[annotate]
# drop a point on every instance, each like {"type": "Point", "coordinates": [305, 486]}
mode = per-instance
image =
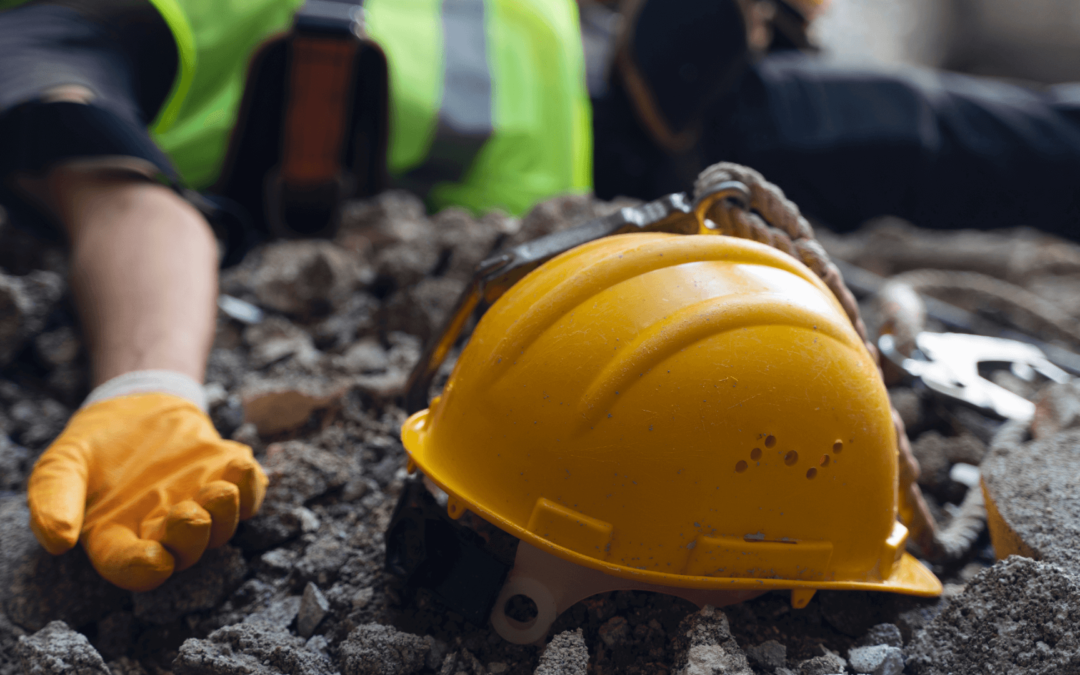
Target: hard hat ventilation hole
{"type": "Point", "coordinates": [741, 466]}
{"type": "Point", "coordinates": [811, 474]}
{"type": "Point", "coordinates": [755, 454]}
{"type": "Point", "coordinates": [770, 441]}
{"type": "Point", "coordinates": [825, 459]}
{"type": "Point", "coordinates": [790, 458]}
{"type": "Point", "coordinates": [521, 609]}
{"type": "Point", "coordinates": [838, 447]}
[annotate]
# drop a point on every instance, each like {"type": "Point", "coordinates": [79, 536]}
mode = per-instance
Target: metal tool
{"type": "Point", "coordinates": [948, 363]}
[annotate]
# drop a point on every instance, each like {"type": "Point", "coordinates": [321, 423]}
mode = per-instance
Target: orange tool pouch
{"type": "Point", "coordinates": [313, 124]}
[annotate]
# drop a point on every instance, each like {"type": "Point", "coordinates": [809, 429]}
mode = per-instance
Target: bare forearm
{"type": "Point", "coordinates": [143, 273]}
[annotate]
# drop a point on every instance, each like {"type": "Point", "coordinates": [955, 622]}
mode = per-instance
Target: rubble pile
{"type": "Point", "coordinates": [314, 343]}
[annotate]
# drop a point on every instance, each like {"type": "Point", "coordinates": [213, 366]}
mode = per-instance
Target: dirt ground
{"type": "Point", "coordinates": [314, 387]}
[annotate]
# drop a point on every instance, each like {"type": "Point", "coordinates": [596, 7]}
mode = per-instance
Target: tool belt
{"type": "Point", "coordinates": [313, 124]}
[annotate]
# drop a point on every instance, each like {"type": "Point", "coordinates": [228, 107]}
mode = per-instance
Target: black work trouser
{"type": "Point", "coordinates": [847, 144]}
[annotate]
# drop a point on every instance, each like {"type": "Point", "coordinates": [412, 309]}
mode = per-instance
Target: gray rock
{"type": "Point", "coordinates": [402, 265]}
{"type": "Point", "coordinates": [279, 613]}
{"type": "Point", "coordinates": [36, 588]}
{"type": "Point", "coordinates": [1035, 487]}
{"type": "Point", "coordinates": [58, 650]}
{"type": "Point", "coordinates": [250, 649]}
{"type": "Point", "coordinates": [769, 654]}
{"type": "Point", "coordinates": [277, 339]}
{"type": "Point", "coordinates": [364, 357]}
{"type": "Point", "coordinates": [15, 464]}
{"type": "Point", "coordinates": [1018, 616]}
{"type": "Point", "coordinates": [876, 660]}
{"type": "Point", "coordinates": [829, 663]}
{"type": "Point", "coordinates": [323, 560]}
{"type": "Point", "coordinates": [202, 586]}
{"type": "Point", "coordinates": [420, 308]}
{"type": "Point", "coordinates": [300, 472]}
{"type": "Point", "coordinates": [374, 649]}
{"type": "Point", "coordinates": [9, 637]}
{"type": "Point", "coordinates": [275, 405]}
{"type": "Point", "coordinates": [313, 608]}
{"type": "Point", "coordinates": [882, 634]}
{"type": "Point", "coordinates": [306, 278]}
{"type": "Point", "coordinates": [25, 302]}
{"type": "Point", "coordinates": [615, 632]}
{"type": "Point", "coordinates": [566, 654]}
{"type": "Point", "coordinates": [704, 646]}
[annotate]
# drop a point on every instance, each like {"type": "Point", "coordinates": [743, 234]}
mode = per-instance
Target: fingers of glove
{"type": "Point", "coordinates": [221, 500]}
{"type": "Point", "coordinates": [184, 531]}
{"type": "Point", "coordinates": [126, 560]}
{"type": "Point", "coordinates": [56, 494]}
{"type": "Point", "coordinates": [247, 475]}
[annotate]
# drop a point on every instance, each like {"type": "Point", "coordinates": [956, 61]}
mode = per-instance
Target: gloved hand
{"type": "Point", "coordinates": [146, 483]}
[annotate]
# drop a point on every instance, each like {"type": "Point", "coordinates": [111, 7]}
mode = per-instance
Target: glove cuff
{"type": "Point", "coordinates": [147, 382]}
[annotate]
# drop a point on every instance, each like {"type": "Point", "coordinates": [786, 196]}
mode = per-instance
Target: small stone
{"type": "Point", "coordinates": [363, 597]}
{"type": "Point", "coordinates": [566, 654]}
{"type": "Point", "coordinates": [877, 660]}
{"type": "Point", "coordinates": [374, 649]}
{"type": "Point", "coordinates": [313, 608]}
{"type": "Point", "coordinates": [497, 668]}
{"type": "Point", "coordinates": [882, 634]}
{"type": "Point", "coordinates": [277, 405]}
{"type": "Point", "coordinates": [280, 613]}
{"type": "Point", "coordinates": [704, 646]}
{"type": "Point", "coordinates": [768, 654]}
{"type": "Point", "coordinates": [306, 278]}
{"type": "Point", "coordinates": [250, 649]}
{"type": "Point", "coordinates": [364, 357]}
{"type": "Point", "coordinates": [615, 632]}
{"type": "Point", "coordinates": [58, 650]}
{"type": "Point", "coordinates": [829, 663]}
{"type": "Point", "coordinates": [202, 586]}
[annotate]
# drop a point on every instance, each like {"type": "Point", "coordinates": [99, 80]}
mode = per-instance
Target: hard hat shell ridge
{"type": "Point", "coordinates": [687, 411]}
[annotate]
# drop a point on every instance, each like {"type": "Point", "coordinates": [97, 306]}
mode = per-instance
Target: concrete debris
{"type": "Point", "coordinates": [1034, 489]}
{"type": "Point", "coordinates": [374, 649]}
{"type": "Point", "coordinates": [769, 654]}
{"type": "Point", "coordinates": [937, 454]}
{"type": "Point", "coordinates": [1019, 616]}
{"type": "Point", "coordinates": [616, 632]}
{"type": "Point", "coordinates": [313, 608]}
{"type": "Point", "coordinates": [394, 216]}
{"type": "Point", "coordinates": [566, 654]}
{"type": "Point", "coordinates": [59, 347]}
{"type": "Point", "coordinates": [280, 613]}
{"type": "Point", "coordinates": [829, 664]}
{"type": "Point", "coordinates": [202, 586]}
{"type": "Point", "coordinates": [277, 405]}
{"type": "Point", "coordinates": [300, 472]}
{"type": "Point", "coordinates": [277, 339]}
{"type": "Point", "coordinates": [363, 357]}
{"type": "Point", "coordinates": [307, 278]}
{"type": "Point", "coordinates": [877, 660]}
{"type": "Point", "coordinates": [25, 302]}
{"type": "Point", "coordinates": [421, 308]}
{"type": "Point", "coordinates": [15, 464]}
{"type": "Point", "coordinates": [58, 650]}
{"type": "Point", "coordinates": [36, 588]}
{"type": "Point", "coordinates": [1056, 409]}
{"type": "Point", "coordinates": [704, 646]}
{"type": "Point", "coordinates": [882, 634]}
{"type": "Point", "coordinates": [251, 649]}
{"type": "Point", "coordinates": [9, 637]}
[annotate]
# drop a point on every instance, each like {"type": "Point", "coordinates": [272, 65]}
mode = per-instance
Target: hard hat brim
{"type": "Point", "coordinates": [908, 577]}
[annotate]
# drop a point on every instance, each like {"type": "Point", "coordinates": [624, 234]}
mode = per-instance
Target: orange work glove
{"type": "Point", "coordinates": [146, 483]}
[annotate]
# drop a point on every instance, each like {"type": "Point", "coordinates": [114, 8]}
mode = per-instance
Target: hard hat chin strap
{"type": "Point", "coordinates": [554, 585]}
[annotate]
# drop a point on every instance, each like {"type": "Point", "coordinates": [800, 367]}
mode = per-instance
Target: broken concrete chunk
{"type": "Point", "coordinates": [566, 654]}
{"type": "Point", "coordinates": [58, 650]}
{"type": "Point", "coordinates": [374, 649]}
{"type": "Point", "coordinates": [307, 278]}
{"type": "Point", "coordinates": [280, 404]}
{"type": "Point", "coordinates": [877, 660]}
{"type": "Point", "coordinates": [202, 586]}
{"type": "Point", "coordinates": [36, 588]}
{"type": "Point", "coordinates": [422, 307]}
{"type": "Point", "coordinates": [829, 663]}
{"type": "Point", "coordinates": [1019, 616]}
{"type": "Point", "coordinates": [882, 634]}
{"type": "Point", "coordinates": [300, 472]}
{"type": "Point", "coordinates": [250, 649]}
{"type": "Point", "coordinates": [25, 302]}
{"type": "Point", "coordinates": [769, 654]}
{"type": "Point", "coordinates": [14, 463]}
{"type": "Point", "coordinates": [1034, 499]}
{"type": "Point", "coordinates": [365, 356]}
{"type": "Point", "coordinates": [279, 613]}
{"type": "Point", "coordinates": [313, 608]}
{"type": "Point", "coordinates": [704, 646]}
{"type": "Point", "coordinates": [277, 339]}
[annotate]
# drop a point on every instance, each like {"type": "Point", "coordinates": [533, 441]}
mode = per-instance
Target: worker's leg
{"type": "Point", "coordinates": [940, 149]}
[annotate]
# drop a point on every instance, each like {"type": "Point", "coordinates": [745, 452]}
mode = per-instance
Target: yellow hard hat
{"type": "Point", "coordinates": [691, 412]}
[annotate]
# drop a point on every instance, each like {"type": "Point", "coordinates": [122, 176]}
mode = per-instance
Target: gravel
{"type": "Point", "coordinates": [58, 650]}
